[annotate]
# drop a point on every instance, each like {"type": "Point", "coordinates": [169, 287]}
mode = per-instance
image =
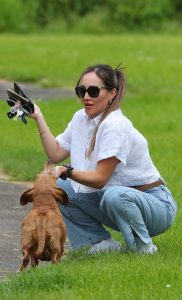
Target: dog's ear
{"type": "Point", "coordinates": [26, 197]}
{"type": "Point", "coordinates": [61, 196]}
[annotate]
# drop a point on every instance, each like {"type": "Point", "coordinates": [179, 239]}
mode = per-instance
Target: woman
{"type": "Point", "coordinates": [112, 180]}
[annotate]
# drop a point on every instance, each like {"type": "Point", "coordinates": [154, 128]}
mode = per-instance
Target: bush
{"type": "Point", "coordinates": [138, 14]}
{"type": "Point", "coordinates": [11, 16]}
{"type": "Point", "coordinates": [86, 16]}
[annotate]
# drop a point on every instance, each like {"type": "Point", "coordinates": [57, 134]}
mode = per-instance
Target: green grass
{"type": "Point", "coordinates": [153, 103]}
{"type": "Point", "coordinates": [153, 62]}
{"type": "Point", "coordinates": [103, 276]}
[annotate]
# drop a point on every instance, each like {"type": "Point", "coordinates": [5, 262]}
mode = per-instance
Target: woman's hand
{"type": "Point", "coordinates": [37, 112]}
{"type": "Point", "coordinates": [60, 170]}
{"type": "Point", "coordinates": [96, 178]}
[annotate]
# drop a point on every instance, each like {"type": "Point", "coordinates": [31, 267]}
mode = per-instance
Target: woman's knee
{"type": "Point", "coordinates": [113, 197]}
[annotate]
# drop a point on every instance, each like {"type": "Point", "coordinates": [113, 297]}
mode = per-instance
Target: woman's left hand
{"type": "Point", "coordinates": [60, 170]}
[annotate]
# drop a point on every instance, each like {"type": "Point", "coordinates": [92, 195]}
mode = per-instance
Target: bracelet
{"type": "Point", "coordinates": [68, 173]}
{"type": "Point", "coordinates": [41, 133]}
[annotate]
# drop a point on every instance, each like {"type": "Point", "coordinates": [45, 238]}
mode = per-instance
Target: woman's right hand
{"type": "Point", "coordinates": [37, 112]}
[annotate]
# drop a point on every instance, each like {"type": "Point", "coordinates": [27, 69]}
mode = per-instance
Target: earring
{"type": "Point", "coordinates": [110, 102]}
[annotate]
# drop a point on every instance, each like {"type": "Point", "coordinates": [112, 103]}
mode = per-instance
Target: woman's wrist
{"type": "Point", "coordinates": [43, 131]}
{"type": "Point", "coordinates": [64, 172]}
{"type": "Point", "coordinates": [42, 125]}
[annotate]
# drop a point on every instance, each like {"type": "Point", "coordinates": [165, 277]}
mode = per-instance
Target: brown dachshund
{"type": "Point", "coordinates": [43, 230]}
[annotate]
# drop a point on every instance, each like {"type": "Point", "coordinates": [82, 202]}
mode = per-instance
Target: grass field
{"type": "Point", "coordinates": [153, 102]}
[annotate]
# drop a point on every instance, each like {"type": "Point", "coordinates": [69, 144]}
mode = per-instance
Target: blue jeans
{"type": "Point", "coordinates": [130, 211]}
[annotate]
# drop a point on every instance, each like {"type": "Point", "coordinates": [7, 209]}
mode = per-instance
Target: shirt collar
{"type": "Point", "coordinates": [97, 118]}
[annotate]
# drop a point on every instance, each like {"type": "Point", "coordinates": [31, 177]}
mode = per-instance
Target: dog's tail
{"type": "Point", "coordinates": [41, 234]}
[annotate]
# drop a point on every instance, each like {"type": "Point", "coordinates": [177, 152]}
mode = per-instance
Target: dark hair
{"type": "Point", "coordinates": [112, 78]}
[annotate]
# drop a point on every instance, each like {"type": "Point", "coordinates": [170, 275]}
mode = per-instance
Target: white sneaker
{"type": "Point", "coordinates": [145, 248]}
{"type": "Point", "coordinates": [105, 246]}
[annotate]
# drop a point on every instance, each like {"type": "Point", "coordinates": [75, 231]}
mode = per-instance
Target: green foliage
{"type": "Point", "coordinates": [138, 14]}
{"type": "Point", "coordinates": [96, 16]}
{"type": "Point", "coordinates": [9, 11]}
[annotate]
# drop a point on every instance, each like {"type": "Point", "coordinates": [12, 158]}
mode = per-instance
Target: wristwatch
{"type": "Point", "coordinates": [68, 173]}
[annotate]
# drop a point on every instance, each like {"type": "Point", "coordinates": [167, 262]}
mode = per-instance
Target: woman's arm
{"type": "Point", "coordinates": [53, 150]}
{"type": "Point", "coordinates": [96, 179]}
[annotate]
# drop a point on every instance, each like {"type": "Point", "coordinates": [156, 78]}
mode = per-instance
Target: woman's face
{"type": "Point", "coordinates": [95, 106]}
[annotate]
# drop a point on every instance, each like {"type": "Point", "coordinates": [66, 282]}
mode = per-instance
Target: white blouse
{"type": "Point", "coordinates": [117, 137]}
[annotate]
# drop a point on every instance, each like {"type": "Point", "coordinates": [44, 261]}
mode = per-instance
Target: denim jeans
{"type": "Point", "coordinates": [130, 211]}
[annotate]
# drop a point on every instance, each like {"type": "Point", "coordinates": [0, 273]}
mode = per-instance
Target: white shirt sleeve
{"type": "Point", "coordinates": [64, 139]}
{"type": "Point", "coordinates": [113, 141]}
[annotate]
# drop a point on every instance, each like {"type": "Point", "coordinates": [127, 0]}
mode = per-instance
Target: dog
{"type": "Point", "coordinates": [43, 232]}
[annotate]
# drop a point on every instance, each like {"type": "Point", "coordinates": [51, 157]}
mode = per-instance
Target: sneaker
{"type": "Point", "coordinates": [145, 248]}
{"type": "Point", "coordinates": [105, 246]}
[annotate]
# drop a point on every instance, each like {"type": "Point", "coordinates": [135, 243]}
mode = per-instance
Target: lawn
{"type": "Point", "coordinates": [153, 102]}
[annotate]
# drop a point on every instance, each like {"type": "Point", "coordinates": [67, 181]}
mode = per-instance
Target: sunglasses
{"type": "Point", "coordinates": [93, 91]}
